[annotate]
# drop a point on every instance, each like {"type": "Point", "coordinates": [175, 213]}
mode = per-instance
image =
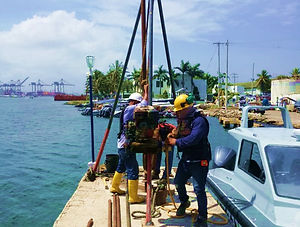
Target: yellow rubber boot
{"type": "Point", "coordinates": [132, 190]}
{"type": "Point", "coordinates": [115, 185]}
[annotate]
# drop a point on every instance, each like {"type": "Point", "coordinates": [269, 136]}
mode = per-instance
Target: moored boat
{"type": "Point", "coordinates": [259, 185]}
{"type": "Point", "coordinates": [64, 97]}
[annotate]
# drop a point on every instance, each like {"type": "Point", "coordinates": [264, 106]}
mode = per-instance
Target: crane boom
{"type": "Point", "coordinates": [24, 80]}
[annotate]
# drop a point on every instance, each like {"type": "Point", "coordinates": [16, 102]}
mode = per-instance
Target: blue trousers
{"type": "Point", "coordinates": [186, 170]}
{"type": "Point", "coordinates": [128, 163]}
{"type": "Point", "coordinates": [170, 162]}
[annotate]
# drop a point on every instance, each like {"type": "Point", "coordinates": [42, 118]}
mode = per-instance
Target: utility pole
{"type": "Point", "coordinates": [252, 79]}
{"type": "Point", "coordinates": [226, 82]}
{"type": "Point", "coordinates": [218, 43]}
{"type": "Point", "coordinates": [234, 75]}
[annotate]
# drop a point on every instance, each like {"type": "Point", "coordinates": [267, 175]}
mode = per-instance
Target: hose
{"type": "Point", "coordinates": [155, 213]}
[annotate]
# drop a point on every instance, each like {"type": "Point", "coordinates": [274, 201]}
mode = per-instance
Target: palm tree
{"type": "Point", "coordinates": [135, 75]}
{"type": "Point", "coordinates": [211, 81]}
{"type": "Point", "coordinates": [114, 75]}
{"type": "Point", "coordinates": [161, 75]}
{"type": "Point", "coordinates": [195, 72]}
{"type": "Point", "coordinates": [295, 73]}
{"type": "Point", "coordinates": [183, 68]}
{"type": "Point", "coordinates": [264, 81]}
{"type": "Point", "coordinates": [127, 86]}
{"type": "Point", "coordinates": [280, 77]}
{"type": "Point", "coordinates": [100, 84]}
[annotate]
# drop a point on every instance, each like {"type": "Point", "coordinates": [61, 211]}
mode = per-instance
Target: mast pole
{"type": "Point", "coordinates": [163, 28]}
{"type": "Point", "coordinates": [118, 92]}
{"type": "Point", "coordinates": [149, 158]}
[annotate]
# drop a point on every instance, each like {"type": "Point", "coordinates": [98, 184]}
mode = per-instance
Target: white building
{"type": "Point", "coordinates": [285, 88]}
{"type": "Point", "coordinates": [201, 85]}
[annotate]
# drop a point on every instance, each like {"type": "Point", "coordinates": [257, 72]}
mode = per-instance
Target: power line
{"type": "Point", "coordinates": [213, 55]}
{"type": "Point", "coordinates": [226, 84]}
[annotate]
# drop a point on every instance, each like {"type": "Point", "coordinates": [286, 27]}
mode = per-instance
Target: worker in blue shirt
{"type": "Point", "coordinates": [191, 140]}
{"type": "Point", "coordinates": [127, 159]}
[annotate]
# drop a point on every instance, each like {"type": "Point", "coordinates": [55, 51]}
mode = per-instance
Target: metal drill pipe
{"type": "Point", "coordinates": [114, 224]}
{"type": "Point", "coordinates": [118, 211]}
{"type": "Point", "coordinates": [148, 205]}
{"type": "Point", "coordinates": [109, 213]}
{"type": "Point", "coordinates": [144, 35]}
{"type": "Point", "coordinates": [150, 56]}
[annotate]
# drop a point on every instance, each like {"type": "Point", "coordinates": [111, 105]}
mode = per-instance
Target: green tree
{"type": "Point", "coordinates": [280, 77]}
{"type": "Point", "coordinates": [114, 75]}
{"type": "Point", "coordinates": [162, 75]}
{"type": "Point", "coordinates": [264, 81]}
{"type": "Point", "coordinates": [135, 76]}
{"type": "Point", "coordinates": [96, 77]}
{"type": "Point", "coordinates": [195, 72]}
{"type": "Point", "coordinates": [175, 76]}
{"type": "Point", "coordinates": [100, 84]}
{"type": "Point", "coordinates": [211, 81]}
{"type": "Point", "coordinates": [296, 73]}
{"type": "Point", "coordinates": [183, 68]}
{"type": "Point", "coordinates": [127, 86]}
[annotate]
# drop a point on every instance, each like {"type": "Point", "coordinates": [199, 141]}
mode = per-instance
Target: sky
{"type": "Point", "coordinates": [49, 39]}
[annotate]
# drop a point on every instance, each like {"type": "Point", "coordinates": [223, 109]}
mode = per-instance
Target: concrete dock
{"type": "Point", "coordinates": [90, 200]}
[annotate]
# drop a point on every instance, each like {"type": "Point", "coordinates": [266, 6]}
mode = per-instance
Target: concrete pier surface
{"type": "Point", "coordinates": [90, 200]}
{"type": "Point", "coordinates": [272, 117]}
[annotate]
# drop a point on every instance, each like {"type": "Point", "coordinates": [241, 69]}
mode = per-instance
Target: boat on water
{"type": "Point", "coordinates": [259, 184]}
{"type": "Point", "coordinates": [65, 97]}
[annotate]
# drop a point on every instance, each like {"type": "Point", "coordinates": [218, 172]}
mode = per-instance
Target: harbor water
{"type": "Point", "coordinates": [44, 152]}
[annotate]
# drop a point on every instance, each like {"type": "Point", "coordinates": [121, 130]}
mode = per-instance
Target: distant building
{"type": "Point", "coordinates": [235, 89]}
{"type": "Point", "coordinates": [161, 86]}
{"type": "Point", "coordinates": [199, 88]}
{"type": "Point", "coordinates": [252, 91]}
{"type": "Point", "coordinates": [285, 88]}
{"type": "Point", "coordinates": [199, 85]}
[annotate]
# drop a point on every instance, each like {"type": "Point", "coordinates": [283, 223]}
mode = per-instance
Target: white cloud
{"type": "Point", "coordinates": [185, 20]}
{"type": "Point", "coordinates": [54, 47]}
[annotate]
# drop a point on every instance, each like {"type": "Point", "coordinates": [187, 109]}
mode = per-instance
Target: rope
{"type": "Point", "coordinates": [194, 213]}
{"type": "Point", "coordinates": [155, 213]}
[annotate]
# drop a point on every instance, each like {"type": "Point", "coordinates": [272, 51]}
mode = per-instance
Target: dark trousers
{"type": "Point", "coordinates": [128, 163]}
{"type": "Point", "coordinates": [186, 170]}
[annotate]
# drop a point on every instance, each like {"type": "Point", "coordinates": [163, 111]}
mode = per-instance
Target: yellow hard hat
{"type": "Point", "coordinates": [182, 102]}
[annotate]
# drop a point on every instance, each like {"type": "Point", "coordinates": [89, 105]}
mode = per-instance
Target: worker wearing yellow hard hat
{"type": "Point", "coordinates": [183, 101]}
{"type": "Point", "coordinates": [191, 140]}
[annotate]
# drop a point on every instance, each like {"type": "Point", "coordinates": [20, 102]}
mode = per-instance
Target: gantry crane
{"type": "Point", "coordinates": [59, 87]}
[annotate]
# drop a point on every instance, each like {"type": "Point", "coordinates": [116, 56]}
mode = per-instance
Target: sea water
{"type": "Point", "coordinates": [44, 152]}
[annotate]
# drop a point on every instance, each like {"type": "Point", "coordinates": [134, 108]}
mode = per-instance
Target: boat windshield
{"type": "Point", "coordinates": [284, 162]}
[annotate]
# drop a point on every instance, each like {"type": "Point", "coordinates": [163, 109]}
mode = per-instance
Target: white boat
{"type": "Point", "coordinates": [259, 184]}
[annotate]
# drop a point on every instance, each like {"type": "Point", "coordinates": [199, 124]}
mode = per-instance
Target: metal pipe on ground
{"type": "Point", "coordinates": [114, 224]}
{"type": "Point", "coordinates": [109, 213]}
{"type": "Point", "coordinates": [118, 211]}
